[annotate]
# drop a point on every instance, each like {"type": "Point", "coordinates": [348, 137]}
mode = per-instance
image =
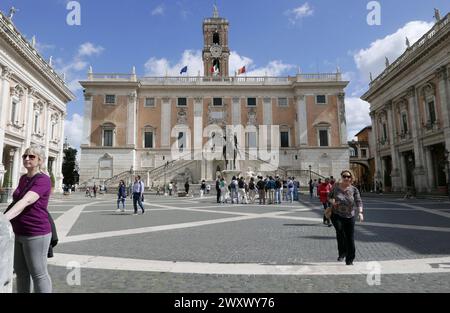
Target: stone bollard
{"type": "Point", "coordinates": [6, 255]}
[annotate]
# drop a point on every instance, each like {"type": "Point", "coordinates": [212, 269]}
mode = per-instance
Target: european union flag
{"type": "Point", "coordinates": [183, 70]}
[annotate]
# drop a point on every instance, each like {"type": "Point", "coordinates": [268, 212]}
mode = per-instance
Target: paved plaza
{"type": "Point", "coordinates": [196, 245]}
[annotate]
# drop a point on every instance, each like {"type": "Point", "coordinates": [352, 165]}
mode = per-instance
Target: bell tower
{"type": "Point", "coordinates": [216, 53]}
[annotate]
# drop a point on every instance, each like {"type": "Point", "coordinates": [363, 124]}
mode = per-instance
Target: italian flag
{"type": "Point", "coordinates": [215, 69]}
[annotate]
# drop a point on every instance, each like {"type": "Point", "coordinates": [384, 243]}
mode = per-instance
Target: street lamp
{"type": "Point", "coordinates": [165, 170]}
{"type": "Point", "coordinates": [310, 174]}
{"type": "Point", "coordinates": [447, 162]}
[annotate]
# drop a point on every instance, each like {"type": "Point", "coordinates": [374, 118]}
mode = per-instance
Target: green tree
{"type": "Point", "coordinates": [6, 180]}
{"type": "Point", "coordinates": [69, 166]}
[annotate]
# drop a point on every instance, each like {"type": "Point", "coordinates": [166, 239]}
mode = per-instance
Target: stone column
{"type": "Point", "coordinates": [132, 125]}
{"type": "Point", "coordinates": [342, 120]}
{"type": "Point", "coordinates": [47, 131]}
{"type": "Point", "coordinates": [377, 171]}
{"type": "Point", "coordinates": [6, 255]}
{"type": "Point", "coordinates": [444, 95]}
{"type": "Point", "coordinates": [198, 135]}
{"type": "Point", "coordinates": [166, 124]}
{"type": "Point", "coordinates": [4, 98]}
{"type": "Point", "coordinates": [15, 167]}
{"type": "Point", "coordinates": [430, 172]}
{"type": "Point", "coordinates": [403, 170]}
{"type": "Point", "coordinates": [87, 132]}
{"type": "Point", "coordinates": [419, 171]}
{"type": "Point", "coordinates": [302, 124]}
{"type": "Point", "coordinates": [29, 116]}
{"type": "Point", "coordinates": [395, 174]}
{"type": "Point", "coordinates": [59, 159]}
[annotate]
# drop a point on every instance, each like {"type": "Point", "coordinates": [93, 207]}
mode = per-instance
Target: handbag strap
{"type": "Point", "coordinates": [23, 192]}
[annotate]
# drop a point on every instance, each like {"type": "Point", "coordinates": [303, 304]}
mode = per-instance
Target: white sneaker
{"type": "Point", "coordinates": [123, 210]}
{"type": "Point", "coordinates": [118, 211]}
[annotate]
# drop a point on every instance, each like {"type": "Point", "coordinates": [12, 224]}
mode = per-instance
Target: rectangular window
{"type": "Point", "coordinates": [321, 99]}
{"type": "Point", "coordinates": [13, 111]}
{"type": "Point", "coordinates": [108, 138]}
{"type": "Point", "coordinates": [148, 138]}
{"type": "Point", "coordinates": [432, 116]}
{"type": "Point", "coordinates": [53, 131]}
{"type": "Point", "coordinates": [363, 153]}
{"type": "Point", "coordinates": [251, 102]}
{"type": "Point", "coordinates": [282, 102]}
{"type": "Point", "coordinates": [323, 137]}
{"type": "Point", "coordinates": [405, 123]}
{"type": "Point", "coordinates": [384, 131]}
{"type": "Point", "coordinates": [110, 99]}
{"type": "Point", "coordinates": [149, 102]}
{"type": "Point", "coordinates": [284, 139]}
{"type": "Point", "coordinates": [182, 102]}
{"type": "Point", "coordinates": [217, 102]}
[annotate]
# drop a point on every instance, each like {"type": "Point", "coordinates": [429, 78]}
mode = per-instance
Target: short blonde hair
{"type": "Point", "coordinates": [39, 152]}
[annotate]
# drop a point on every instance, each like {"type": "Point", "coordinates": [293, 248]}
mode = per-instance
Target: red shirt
{"type": "Point", "coordinates": [323, 191]}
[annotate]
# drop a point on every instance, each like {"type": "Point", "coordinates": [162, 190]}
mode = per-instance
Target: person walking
{"type": "Point", "coordinates": [186, 187]}
{"type": "Point", "coordinates": [234, 190]}
{"type": "Point", "coordinates": [138, 194]}
{"type": "Point", "coordinates": [324, 190]}
{"type": "Point", "coordinates": [31, 225]}
{"type": "Point", "coordinates": [121, 196]}
{"type": "Point", "coordinates": [315, 185]}
{"type": "Point", "coordinates": [223, 190]}
{"type": "Point", "coordinates": [270, 185]}
{"type": "Point", "coordinates": [95, 191]}
{"type": "Point", "coordinates": [344, 197]}
{"type": "Point", "coordinates": [170, 188]}
{"type": "Point", "coordinates": [218, 191]}
{"type": "Point", "coordinates": [202, 188]}
{"type": "Point", "coordinates": [311, 188]}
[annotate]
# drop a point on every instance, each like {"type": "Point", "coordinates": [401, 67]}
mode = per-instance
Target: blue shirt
{"type": "Point", "coordinates": [138, 187]}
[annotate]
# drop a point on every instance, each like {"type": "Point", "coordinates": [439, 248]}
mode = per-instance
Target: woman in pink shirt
{"type": "Point", "coordinates": [30, 222]}
{"type": "Point", "coordinates": [324, 190]}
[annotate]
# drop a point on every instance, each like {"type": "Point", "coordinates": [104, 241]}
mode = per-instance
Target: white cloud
{"type": "Point", "coordinates": [75, 69]}
{"type": "Point", "coordinates": [89, 49]}
{"type": "Point", "coordinates": [357, 115]}
{"type": "Point", "coordinates": [159, 10]}
{"type": "Point", "coordinates": [298, 13]}
{"type": "Point", "coordinates": [372, 59]}
{"type": "Point", "coordinates": [193, 59]}
{"type": "Point", "coordinates": [73, 130]}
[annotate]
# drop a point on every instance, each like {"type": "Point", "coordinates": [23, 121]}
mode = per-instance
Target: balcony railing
{"type": "Point", "coordinates": [421, 45]}
{"type": "Point", "coordinates": [225, 80]}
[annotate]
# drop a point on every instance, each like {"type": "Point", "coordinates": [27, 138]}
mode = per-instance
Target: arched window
{"type": "Point", "coordinates": [352, 152]}
{"type": "Point", "coordinates": [216, 38]}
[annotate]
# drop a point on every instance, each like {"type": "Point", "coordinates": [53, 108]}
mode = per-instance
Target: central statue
{"type": "Point", "coordinates": [230, 150]}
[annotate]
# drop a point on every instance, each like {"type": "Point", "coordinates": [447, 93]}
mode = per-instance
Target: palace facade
{"type": "Point", "coordinates": [33, 99]}
{"type": "Point", "coordinates": [410, 111]}
{"type": "Point", "coordinates": [172, 128]}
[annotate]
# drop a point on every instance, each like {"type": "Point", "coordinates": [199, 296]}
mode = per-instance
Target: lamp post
{"type": "Point", "coordinates": [310, 174]}
{"type": "Point", "coordinates": [447, 163]}
{"type": "Point", "coordinates": [165, 170]}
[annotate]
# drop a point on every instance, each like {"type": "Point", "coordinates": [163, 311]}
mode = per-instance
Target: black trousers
{"type": "Point", "coordinates": [345, 234]}
{"type": "Point", "coordinates": [218, 195]}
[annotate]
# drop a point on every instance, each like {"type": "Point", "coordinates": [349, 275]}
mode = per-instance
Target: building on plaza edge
{"type": "Point", "coordinates": [33, 99]}
{"type": "Point", "coordinates": [133, 125]}
{"type": "Point", "coordinates": [410, 112]}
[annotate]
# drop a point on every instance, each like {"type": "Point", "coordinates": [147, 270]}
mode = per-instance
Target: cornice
{"type": "Point", "coordinates": [12, 36]}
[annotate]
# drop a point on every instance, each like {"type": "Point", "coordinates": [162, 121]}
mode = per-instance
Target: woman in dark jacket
{"type": "Point", "coordinates": [121, 196]}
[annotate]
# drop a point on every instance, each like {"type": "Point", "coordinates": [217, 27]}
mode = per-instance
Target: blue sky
{"type": "Point", "coordinates": [273, 37]}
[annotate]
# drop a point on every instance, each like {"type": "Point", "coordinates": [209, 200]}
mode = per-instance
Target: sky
{"type": "Point", "coordinates": [277, 38]}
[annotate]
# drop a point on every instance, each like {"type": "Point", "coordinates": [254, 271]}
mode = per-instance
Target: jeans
{"type": "Point", "coordinates": [291, 194]}
{"type": "Point", "coordinates": [218, 195]}
{"type": "Point", "coordinates": [278, 195]}
{"type": "Point", "coordinates": [345, 235]}
{"type": "Point", "coordinates": [121, 199]}
{"type": "Point", "coordinates": [137, 200]}
{"type": "Point", "coordinates": [30, 259]}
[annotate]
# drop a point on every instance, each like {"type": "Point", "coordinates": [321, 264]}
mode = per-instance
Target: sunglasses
{"type": "Point", "coordinates": [30, 156]}
{"type": "Point", "coordinates": [346, 176]}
